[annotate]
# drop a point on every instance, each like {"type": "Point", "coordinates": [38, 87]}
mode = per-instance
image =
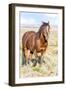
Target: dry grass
{"type": "Point", "coordinates": [49, 68]}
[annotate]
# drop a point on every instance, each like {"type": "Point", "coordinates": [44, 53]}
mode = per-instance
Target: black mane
{"type": "Point", "coordinates": [45, 24]}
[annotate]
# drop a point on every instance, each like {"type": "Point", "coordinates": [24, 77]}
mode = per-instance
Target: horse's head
{"type": "Point", "coordinates": [44, 30]}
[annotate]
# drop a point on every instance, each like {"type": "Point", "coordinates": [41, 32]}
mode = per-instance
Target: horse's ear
{"type": "Point", "coordinates": [43, 22]}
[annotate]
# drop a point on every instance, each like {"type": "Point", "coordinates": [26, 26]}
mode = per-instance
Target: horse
{"type": "Point", "coordinates": [35, 43]}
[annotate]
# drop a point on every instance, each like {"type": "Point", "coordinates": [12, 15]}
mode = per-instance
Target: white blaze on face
{"type": "Point", "coordinates": [46, 32]}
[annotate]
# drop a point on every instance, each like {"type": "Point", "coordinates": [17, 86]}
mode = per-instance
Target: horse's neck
{"type": "Point", "coordinates": [39, 37]}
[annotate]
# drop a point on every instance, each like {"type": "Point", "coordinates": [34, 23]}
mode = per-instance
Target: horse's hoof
{"type": "Point", "coordinates": [44, 62]}
{"type": "Point", "coordinates": [34, 65]}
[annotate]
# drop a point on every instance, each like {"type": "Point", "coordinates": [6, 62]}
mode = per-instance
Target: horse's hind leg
{"type": "Point", "coordinates": [24, 56]}
{"type": "Point", "coordinates": [27, 56]}
{"type": "Point", "coordinates": [23, 60]}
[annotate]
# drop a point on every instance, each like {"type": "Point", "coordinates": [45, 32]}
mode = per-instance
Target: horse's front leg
{"type": "Point", "coordinates": [39, 58]}
{"type": "Point", "coordinates": [34, 61]}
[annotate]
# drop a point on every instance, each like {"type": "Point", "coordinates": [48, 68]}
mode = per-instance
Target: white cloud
{"type": "Point", "coordinates": [52, 15]}
{"type": "Point", "coordinates": [27, 20]}
{"type": "Point", "coordinates": [52, 18]}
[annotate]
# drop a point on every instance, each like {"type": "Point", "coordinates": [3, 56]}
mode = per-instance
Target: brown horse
{"type": "Point", "coordinates": [35, 43]}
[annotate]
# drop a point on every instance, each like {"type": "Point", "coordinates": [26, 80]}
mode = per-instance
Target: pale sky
{"type": "Point", "coordinates": [28, 18]}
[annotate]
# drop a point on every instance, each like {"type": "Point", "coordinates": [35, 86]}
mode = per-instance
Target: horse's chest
{"type": "Point", "coordinates": [40, 46]}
